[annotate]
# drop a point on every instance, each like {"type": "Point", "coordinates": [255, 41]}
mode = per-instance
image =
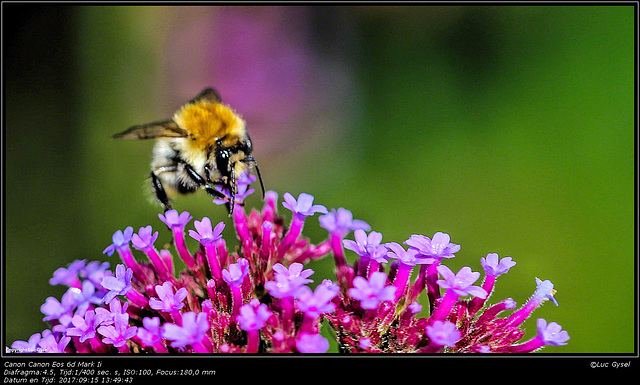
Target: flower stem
{"type": "Point", "coordinates": [176, 317]}
{"type": "Point", "coordinates": [242, 228]}
{"type": "Point", "coordinates": [288, 313]}
{"type": "Point", "coordinates": [130, 262]}
{"type": "Point", "coordinates": [181, 247]}
{"type": "Point", "coordinates": [236, 299]}
{"type": "Point", "coordinates": [157, 262]}
{"type": "Point", "coordinates": [199, 347]}
{"type": "Point", "coordinates": [444, 308]}
{"type": "Point", "coordinates": [212, 260]}
{"type": "Point", "coordinates": [433, 290]}
{"type": "Point", "coordinates": [253, 341]}
{"type": "Point", "coordinates": [419, 284]}
{"type": "Point", "coordinates": [402, 277]}
{"type": "Point", "coordinates": [527, 347]}
{"type": "Point", "coordinates": [520, 315]}
{"type": "Point", "coordinates": [477, 302]}
{"type": "Point", "coordinates": [297, 222]}
{"type": "Point", "coordinates": [338, 251]}
{"type": "Point", "coordinates": [137, 298]}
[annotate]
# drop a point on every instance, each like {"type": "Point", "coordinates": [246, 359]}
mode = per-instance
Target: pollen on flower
{"type": "Point", "coordinates": [260, 296]}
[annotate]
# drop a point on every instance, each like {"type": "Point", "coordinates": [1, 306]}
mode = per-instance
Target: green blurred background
{"type": "Point", "coordinates": [509, 127]}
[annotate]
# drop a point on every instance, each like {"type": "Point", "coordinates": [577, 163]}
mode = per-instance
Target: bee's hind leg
{"type": "Point", "coordinates": [159, 191]}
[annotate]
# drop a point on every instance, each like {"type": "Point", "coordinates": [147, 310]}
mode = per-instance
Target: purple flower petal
{"type": "Point", "coordinates": [118, 285]}
{"type": "Point", "coordinates": [253, 318]}
{"type": "Point", "coordinates": [303, 206]}
{"type": "Point", "coordinates": [204, 233]}
{"type": "Point", "coordinates": [373, 291]}
{"type": "Point", "coordinates": [443, 333]}
{"type": "Point", "coordinates": [193, 330]}
{"type": "Point", "coordinates": [234, 276]}
{"type": "Point", "coordinates": [312, 343]}
{"type": "Point", "coordinates": [167, 300]}
{"type": "Point", "coordinates": [341, 222]}
{"type": "Point", "coordinates": [144, 239]}
{"type": "Point", "coordinates": [434, 249]}
{"type": "Point", "coordinates": [120, 241]}
{"type": "Point", "coordinates": [460, 283]}
{"type": "Point", "coordinates": [175, 221]}
{"type": "Point", "coordinates": [150, 334]}
{"type": "Point", "coordinates": [495, 267]}
{"type": "Point", "coordinates": [314, 303]}
{"type": "Point", "coordinates": [551, 334]}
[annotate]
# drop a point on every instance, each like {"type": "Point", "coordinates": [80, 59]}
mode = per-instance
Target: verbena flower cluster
{"type": "Point", "coordinates": [257, 298]}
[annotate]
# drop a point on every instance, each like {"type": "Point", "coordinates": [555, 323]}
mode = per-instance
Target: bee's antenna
{"type": "Point", "coordinates": [259, 177]}
{"type": "Point", "coordinates": [251, 159]}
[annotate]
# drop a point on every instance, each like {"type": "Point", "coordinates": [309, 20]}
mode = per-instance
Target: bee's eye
{"type": "Point", "coordinates": [222, 161]}
{"type": "Point", "coordinates": [248, 147]}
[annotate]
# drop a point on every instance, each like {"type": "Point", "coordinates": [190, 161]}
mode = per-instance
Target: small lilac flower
{"type": "Point", "coordinates": [144, 239]}
{"type": "Point", "coordinates": [407, 257]}
{"type": "Point", "coordinates": [118, 333]}
{"type": "Point", "coordinates": [53, 309]}
{"type": "Point", "coordinates": [149, 333]}
{"type": "Point", "coordinates": [168, 301]}
{"type": "Point", "coordinates": [120, 241]}
{"type": "Point", "coordinates": [367, 245]}
{"type": "Point", "coordinates": [193, 330]}
{"type": "Point", "coordinates": [364, 343]}
{"type": "Point", "coordinates": [551, 334]}
{"type": "Point", "coordinates": [294, 273]}
{"type": "Point", "coordinates": [373, 291]}
{"type": "Point", "coordinates": [460, 283]}
{"type": "Point", "coordinates": [118, 285]}
{"type": "Point", "coordinates": [234, 276]}
{"type": "Point", "coordinates": [314, 303]}
{"type": "Point", "coordinates": [50, 344]}
{"type": "Point", "coordinates": [433, 249]}
{"type": "Point", "coordinates": [252, 318]}
{"type": "Point", "coordinates": [493, 267]}
{"type": "Point", "coordinates": [312, 343]}
{"type": "Point", "coordinates": [30, 346]}
{"type": "Point", "coordinates": [87, 296]}
{"type": "Point", "coordinates": [68, 276]}
{"type": "Point", "coordinates": [204, 233]}
{"type": "Point", "coordinates": [95, 271]}
{"type": "Point", "coordinates": [85, 327]}
{"type": "Point", "coordinates": [544, 291]}
{"type": "Point", "coordinates": [106, 317]}
{"type": "Point", "coordinates": [443, 333]}
{"type": "Point", "coordinates": [175, 221]}
{"type": "Point", "coordinates": [415, 307]}
{"type": "Point", "coordinates": [341, 222]}
{"type": "Point", "coordinates": [288, 281]}
{"type": "Point", "coordinates": [303, 206]}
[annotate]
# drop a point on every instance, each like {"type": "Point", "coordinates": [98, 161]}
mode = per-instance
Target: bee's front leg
{"type": "Point", "coordinates": [161, 194]}
{"type": "Point", "coordinates": [202, 183]}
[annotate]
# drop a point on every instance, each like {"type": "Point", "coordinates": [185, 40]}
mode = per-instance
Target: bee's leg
{"type": "Point", "coordinates": [158, 189]}
{"type": "Point", "coordinates": [201, 182]}
{"type": "Point", "coordinates": [232, 190]}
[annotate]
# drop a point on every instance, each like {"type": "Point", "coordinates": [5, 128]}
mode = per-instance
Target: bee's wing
{"type": "Point", "coordinates": [209, 95]}
{"type": "Point", "coordinates": [163, 129]}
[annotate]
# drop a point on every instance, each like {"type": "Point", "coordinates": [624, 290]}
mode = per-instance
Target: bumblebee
{"type": "Point", "coordinates": [204, 145]}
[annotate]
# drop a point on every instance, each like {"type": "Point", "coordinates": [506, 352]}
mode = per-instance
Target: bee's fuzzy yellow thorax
{"type": "Point", "coordinates": [206, 122]}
